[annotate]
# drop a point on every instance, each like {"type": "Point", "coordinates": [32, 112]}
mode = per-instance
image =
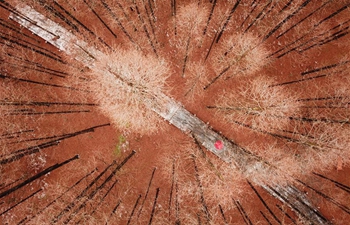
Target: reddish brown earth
{"type": "Point", "coordinates": [169, 147]}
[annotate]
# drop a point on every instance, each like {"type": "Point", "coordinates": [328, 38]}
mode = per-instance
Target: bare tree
{"type": "Point", "coordinates": [133, 81]}
{"type": "Point", "coordinates": [196, 78]}
{"type": "Point", "coordinates": [191, 20]}
{"type": "Point", "coordinates": [257, 104]}
{"type": "Point", "coordinates": [238, 54]}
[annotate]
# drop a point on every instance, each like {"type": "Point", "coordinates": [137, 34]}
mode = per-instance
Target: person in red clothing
{"type": "Point", "coordinates": [219, 145]}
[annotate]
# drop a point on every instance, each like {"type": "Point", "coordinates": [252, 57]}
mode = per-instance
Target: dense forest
{"type": "Point", "coordinates": [174, 112]}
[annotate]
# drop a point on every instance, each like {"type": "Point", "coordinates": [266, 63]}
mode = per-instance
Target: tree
{"type": "Point", "coordinates": [131, 81]}
{"type": "Point", "coordinates": [237, 55]}
{"type": "Point", "coordinates": [258, 105]}
{"type": "Point", "coordinates": [191, 20]}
